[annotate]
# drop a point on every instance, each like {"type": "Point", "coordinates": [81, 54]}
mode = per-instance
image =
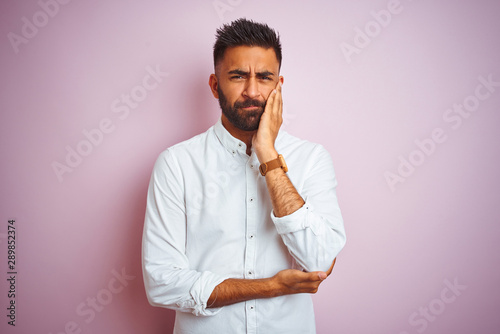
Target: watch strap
{"type": "Point", "coordinates": [279, 162]}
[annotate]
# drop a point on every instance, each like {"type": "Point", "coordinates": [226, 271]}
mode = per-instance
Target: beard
{"type": "Point", "coordinates": [243, 120]}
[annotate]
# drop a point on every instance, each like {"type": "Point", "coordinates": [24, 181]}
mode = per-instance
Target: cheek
{"type": "Point", "coordinates": [267, 92]}
{"type": "Point", "coordinates": [233, 93]}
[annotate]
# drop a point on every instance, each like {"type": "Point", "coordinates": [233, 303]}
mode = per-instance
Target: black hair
{"type": "Point", "coordinates": [243, 32]}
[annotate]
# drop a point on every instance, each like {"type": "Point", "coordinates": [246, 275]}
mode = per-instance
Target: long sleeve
{"type": "Point", "coordinates": [314, 234]}
{"type": "Point", "coordinates": [168, 278]}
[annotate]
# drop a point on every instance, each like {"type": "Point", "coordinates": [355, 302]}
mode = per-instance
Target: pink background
{"type": "Point", "coordinates": [404, 244]}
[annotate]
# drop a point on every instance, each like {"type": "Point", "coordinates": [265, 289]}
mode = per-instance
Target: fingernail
{"type": "Point", "coordinates": [322, 276]}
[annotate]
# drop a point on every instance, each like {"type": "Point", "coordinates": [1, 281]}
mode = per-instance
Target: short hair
{"type": "Point", "coordinates": [243, 32]}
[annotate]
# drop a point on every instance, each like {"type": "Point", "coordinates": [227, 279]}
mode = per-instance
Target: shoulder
{"type": "Point", "coordinates": [296, 147]}
{"type": "Point", "coordinates": [191, 147]}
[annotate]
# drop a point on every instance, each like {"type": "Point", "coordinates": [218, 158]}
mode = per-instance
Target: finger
{"type": "Point", "coordinates": [278, 85]}
{"type": "Point", "coordinates": [315, 276]}
{"type": "Point", "coordinates": [270, 100]}
{"type": "Point", "coordinates": [280, 110]}
{"type": "Point", "coordinates": [311, 287]}
{"type": "Point", "coordinates": [279, 97]}
{"type": "Point", "coordinates": [281, 103]}
{"type": "Point", "coordinates": [277, 103]}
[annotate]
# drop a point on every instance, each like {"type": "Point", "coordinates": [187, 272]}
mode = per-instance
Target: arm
{"type": "Point", "coordinates": [285, 282]}
{"type": "Point", "coordinates": [284, 197]}
{"type": "Point", "coordinates": [168, 277]}
{"type": "Point", "coordinates": [313, 232]}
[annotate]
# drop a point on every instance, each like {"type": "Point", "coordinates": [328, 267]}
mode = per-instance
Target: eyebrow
{"type": "Point", "coordinates": [259, 74]}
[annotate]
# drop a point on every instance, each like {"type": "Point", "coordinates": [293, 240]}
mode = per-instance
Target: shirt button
{"type": "Point", "coordinates": [251, 199]}
{"type": "Point", "coordinates": [251, 236]}
{"type": "Point", "coordinates": [234, 152]}
{"type": "Point", "coordinates": [240, 145]}
{"type": "Point", "coordinates": [251, 307]}
{"type": "Point", "coordinates": [249, 273]}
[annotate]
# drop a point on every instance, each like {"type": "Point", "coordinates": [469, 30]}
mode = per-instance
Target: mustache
{"type": "Point", "coordinates": [250, 103]}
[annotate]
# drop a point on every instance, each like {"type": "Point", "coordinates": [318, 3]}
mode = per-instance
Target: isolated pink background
{"type": "Point", "coordinates": [441, 224]}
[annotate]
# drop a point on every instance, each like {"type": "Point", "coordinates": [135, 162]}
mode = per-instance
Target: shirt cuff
{"type": "Point", "coordinates": [297, 221]}
{"type": "Point", "coordinates": [200, 292]}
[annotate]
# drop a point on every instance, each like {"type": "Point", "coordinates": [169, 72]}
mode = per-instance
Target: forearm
{"type": "Point", "coordinates": [285, 282]}
{"type": "Point", "coordinates": [233, 291]}
{"type": "Point", "coordinates": [284, 197]}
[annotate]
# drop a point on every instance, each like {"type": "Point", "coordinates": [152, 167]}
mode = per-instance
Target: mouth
{"type": "Point", "coordinates": [251, 108]}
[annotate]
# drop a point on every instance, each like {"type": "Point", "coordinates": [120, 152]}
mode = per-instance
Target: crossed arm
{"type": "Point", "coordinates": [285, 282]}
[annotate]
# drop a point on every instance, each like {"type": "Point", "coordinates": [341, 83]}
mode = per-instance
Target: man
{"type": "Point", "coordinates": [234, 239]}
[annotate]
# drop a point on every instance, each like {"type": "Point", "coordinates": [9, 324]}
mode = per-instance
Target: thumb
{"type": "Point", "coordinates": [322, 275]}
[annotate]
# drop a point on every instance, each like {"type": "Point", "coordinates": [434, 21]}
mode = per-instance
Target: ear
{"type": "Point", "coordinates": [281, 79]}
{"type": "Point", "coordinates": [214, 84]}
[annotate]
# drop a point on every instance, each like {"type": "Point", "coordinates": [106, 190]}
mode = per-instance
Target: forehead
{"type": "Point", "coordinates": [249, 58]}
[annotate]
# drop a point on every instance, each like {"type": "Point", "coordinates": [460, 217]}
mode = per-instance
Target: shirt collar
{"type": "Point", "coordinates": [234, 145]}
{"type": "Point", "coordinates": [230, 143]}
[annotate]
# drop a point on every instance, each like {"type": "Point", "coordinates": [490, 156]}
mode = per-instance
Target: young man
{"type": "Point", "coordinates": [242, 222]}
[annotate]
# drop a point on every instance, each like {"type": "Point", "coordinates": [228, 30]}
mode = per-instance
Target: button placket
{"type": "Point", "coordinates": [251, 316]}
{"type": "Point", "coordinates": [250, 223]}
{"type": "Point", "coordinates": [250, 249]}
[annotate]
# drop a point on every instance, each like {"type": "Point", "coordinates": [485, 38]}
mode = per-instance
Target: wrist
{"type": "Point", "coordinates": [267, 155]}
{"type": "Point", "coordinates": [276, 287]}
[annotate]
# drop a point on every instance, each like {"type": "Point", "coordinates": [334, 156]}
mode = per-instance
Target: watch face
{"type": "Point", "coordinates": [283, 163]}
{"type": "Point", "coordinates": [263, 169]}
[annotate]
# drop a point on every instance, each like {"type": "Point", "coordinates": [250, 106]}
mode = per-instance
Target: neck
{"type": "Point", "coordinates": [244, 136]}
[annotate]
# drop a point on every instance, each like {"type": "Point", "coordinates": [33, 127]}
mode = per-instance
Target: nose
{"type": "Point", "coordinates": [251, 88]}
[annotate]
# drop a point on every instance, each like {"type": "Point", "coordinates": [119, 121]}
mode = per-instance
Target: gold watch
{"type": "Point", "coordinates": [273, 164]}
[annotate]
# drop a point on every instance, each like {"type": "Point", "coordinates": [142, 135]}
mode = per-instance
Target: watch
{"type": "Point", "coordinates": [273, 164]}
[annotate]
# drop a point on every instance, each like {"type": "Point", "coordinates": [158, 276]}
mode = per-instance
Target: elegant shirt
{"type": "Point", "coordinates": [209, 218]}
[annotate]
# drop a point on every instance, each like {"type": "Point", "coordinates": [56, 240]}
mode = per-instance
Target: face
{"type": "Point", "coordinates": [243, 81]}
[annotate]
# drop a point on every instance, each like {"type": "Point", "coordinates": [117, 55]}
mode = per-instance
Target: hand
{"type": "Point", "coordinates": [290, 281]}
{"type": "Point", "coordinates": [270, 123]}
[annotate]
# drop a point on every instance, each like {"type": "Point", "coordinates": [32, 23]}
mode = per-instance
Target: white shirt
{"type": "Point", "coordinates": [209, 217]}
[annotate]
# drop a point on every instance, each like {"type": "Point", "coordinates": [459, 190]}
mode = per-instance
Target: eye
{"type": "Point", "coordinates": [237, 77]}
